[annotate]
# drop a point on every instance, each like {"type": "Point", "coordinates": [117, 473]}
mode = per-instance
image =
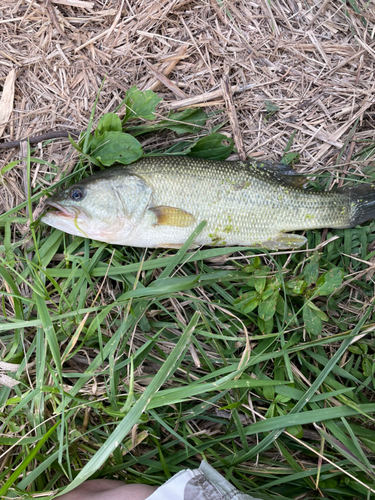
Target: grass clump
{"type": "Point", "coordinates": [133, 365]}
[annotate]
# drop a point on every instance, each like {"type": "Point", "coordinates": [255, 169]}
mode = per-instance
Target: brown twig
{"type": "Point", "coordinates": [166, 81]}
{"type": "Point", "coordinates": [39, 138]}
{"type": "Point", "coordinates": [53, 16]}
{"type": "Point", "coordinates": [199, 50]}
{"type": "Point", "coordinates": [208, 96]}
{"type": "Point", "coordinates": [156, 84]}
{"type": "Point", "coordinates": [228, 98]}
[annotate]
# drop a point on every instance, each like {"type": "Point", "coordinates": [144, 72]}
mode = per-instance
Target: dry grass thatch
{"type": "Point", "coordinates": [313, 60]}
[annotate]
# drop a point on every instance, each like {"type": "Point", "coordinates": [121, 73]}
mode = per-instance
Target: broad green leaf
{"type": "Point", "coordinates": [190, 116]}
{"type": "Point", "coordinates": [312, 321]}
{"type": "Point", "coordinates": [189, 121]}
{"type": "Point", "coordinates": [214, 146]}
{"type": "Point", "coordinates": [265, 326]}
{"type": "Point", "coordinates": [109, 122]}
{"type": "Point", "coordinates": [367, 367]}
{"type": "Point", "coordinates": [311, 271]}
{"type": "Point", "coordinates": [140, 104]}
{"type": "Point", "coordinates": [243, 299]}
{"type": "Point", "coordinates": [355, 349]}
{"type": "Point", "coordinates": [268, 292]}
{"type": "Point", "coordinates": [267, 308]}
{"type": "Point", "coordinates": [260, 284]}
{"type": "Point", "coordinates": [297, 287]}
{"type": "Point", "coordinates": [179, 148]}
{"type": "Point", "coordinates": [317, 311]}
{"type": "Point", "coordinates": [330, 281]}
{"type": "Point", "coordinates": [250, 305]}
{"type": "Point", "coordinates": [116, 147]}
{"type": "Point", "coordinates": [255, 264]}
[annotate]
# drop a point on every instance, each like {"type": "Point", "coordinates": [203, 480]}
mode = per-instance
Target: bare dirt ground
{"type": "Point", "coordinates": [310, 65]}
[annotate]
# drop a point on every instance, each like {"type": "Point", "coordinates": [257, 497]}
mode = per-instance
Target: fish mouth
{"type": "Point", "coordinates": [60, 211]}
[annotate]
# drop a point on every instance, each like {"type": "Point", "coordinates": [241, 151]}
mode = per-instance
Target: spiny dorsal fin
{"type": "Point", "coordinates": [281, 171]}
{"type": "Point", "coordinates": [171, 216]}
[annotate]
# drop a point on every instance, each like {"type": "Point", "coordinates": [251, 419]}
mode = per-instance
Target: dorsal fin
{"type": "Point", "coordinates": [280, 171]}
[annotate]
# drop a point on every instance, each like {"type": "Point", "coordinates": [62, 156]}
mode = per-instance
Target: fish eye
{"type": "Point", "coordinates": [76, 194]}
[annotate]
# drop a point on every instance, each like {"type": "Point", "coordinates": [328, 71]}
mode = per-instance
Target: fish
{"type": "Point", "coordinates": [158, 201]}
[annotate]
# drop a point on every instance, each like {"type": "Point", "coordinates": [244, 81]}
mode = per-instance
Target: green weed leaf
{"type": "Point", "coordinates": [296, 287]}
{"type": "Point", "coordinates": [108, 123]}
{"type": "Point", "coordinates": [260, 284]}
{"type": "Point", "coordinates": [367, 367]}
{"type": "Point", "coordinates": [190, 116]}
{"type": "Point", "coordinates": [271, 108]}
{"type": "Point", "coordinates": [247, 302]}
{"type": "Point", "coordinates": [140, 104]}
{"type": "Point", "coordinates": [291, 157]}
{"type": "Point", "coordinates": [116, 147]}
{"type": "Point", "coordinates": [265, 326]}
{"type": "Point", "coordinates": [195, 119]}
{"type": "Point", "coordinates": [312, 320]}
{"type": "Point", "coordinates": [267, 308]}
{"type": "Point", "coordinates": [318, 312]}
{"type": "Point", "coordinates": [330, 281]}
{"type": "Point", "coordinates": [214, 146]}
{"type": "Point", "coordinates": [311, 271]}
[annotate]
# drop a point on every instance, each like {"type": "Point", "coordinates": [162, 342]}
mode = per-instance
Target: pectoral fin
{"type": "Point", "coordinates": [285, 242]}
{"type": "Point", "coordinates": [171, 216]}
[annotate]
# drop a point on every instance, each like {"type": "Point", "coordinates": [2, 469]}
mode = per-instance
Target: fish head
{"type": "Point", "coordinates": [97, 207]}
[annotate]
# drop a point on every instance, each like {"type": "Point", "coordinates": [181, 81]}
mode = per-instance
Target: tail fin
{"type": "Point", "coordinates": [362, 203]}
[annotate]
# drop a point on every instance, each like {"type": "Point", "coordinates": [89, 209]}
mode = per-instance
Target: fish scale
{"type": "Point", "coordinates": [241, 202]}
{"type": "Point", "coordinates": [158, 201]}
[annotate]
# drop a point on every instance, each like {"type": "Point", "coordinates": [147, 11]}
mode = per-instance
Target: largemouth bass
{"type": "Point", "coordinates": [158, 201]}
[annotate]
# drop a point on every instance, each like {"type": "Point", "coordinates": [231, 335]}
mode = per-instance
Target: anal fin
{"type": "Point", "coordinates": [176, 246]}
{"type": "Point", "coordinates": [285, 241]}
